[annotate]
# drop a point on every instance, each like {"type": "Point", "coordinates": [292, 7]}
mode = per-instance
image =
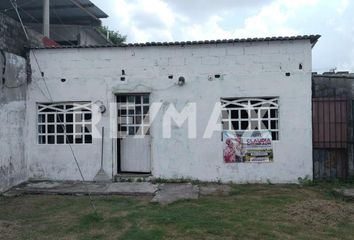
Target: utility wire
{"type": "Point", "coordinates": [37, 21]}
{"type": "Point", "coordinates": [14, 5]}
{"type": "Point", "coordinates": [51, 99]}
{"type": "Point", "coordinates": [28, 2]}
{"type": "Point", "coordinates": [60, 20]}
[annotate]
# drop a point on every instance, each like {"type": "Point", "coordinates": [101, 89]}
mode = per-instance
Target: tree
{"type": "Point", "coordinates": [114, 36]}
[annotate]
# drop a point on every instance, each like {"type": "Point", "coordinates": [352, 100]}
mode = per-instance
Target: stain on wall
{"type": "Point", "coordinates": [13, 86]}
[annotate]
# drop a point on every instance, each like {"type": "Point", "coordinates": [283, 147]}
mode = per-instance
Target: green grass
{"type": "Point", "coordinates": [249, 212]}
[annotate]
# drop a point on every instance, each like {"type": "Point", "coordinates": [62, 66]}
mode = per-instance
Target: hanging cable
{"type": "Point", "coordinates": [51, 100]}
{"type": "Point", "coordinates": [37, 21]}
{"type": "Point", "coordinates": [28, 2]}
{"type": "Point", "coordinates": [62, 23]}
{"type": "Point", "coordinates": [14, 5]}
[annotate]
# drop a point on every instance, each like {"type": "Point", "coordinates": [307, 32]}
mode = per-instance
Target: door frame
{"type": "Point", "coordinates": [118, 143]}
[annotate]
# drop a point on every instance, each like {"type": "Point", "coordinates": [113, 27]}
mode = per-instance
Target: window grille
{"type": "Point", "coordinates": [247, 114]}
{"type": "Point", "coordinates": [64, 123]}
{"type": "Point", "coordinates": [133, 115]}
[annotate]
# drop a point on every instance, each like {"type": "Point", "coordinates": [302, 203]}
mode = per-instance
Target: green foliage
{"type": "Point", "coordinates": [269, 182]}
{"type": "Point", "coordinates": [306, 181]}
{"type": "Point", "coordinates": [114, 36]}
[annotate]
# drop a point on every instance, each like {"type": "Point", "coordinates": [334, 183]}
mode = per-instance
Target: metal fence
{"type": "Point", "coordinates": [332, 145]}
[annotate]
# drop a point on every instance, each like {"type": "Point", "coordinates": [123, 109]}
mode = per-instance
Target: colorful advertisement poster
{"type": "Point", "coordinates": [247, 146]}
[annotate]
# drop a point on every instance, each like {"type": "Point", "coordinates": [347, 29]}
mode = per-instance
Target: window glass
{"type": "Point", "coordinates": [58, 122]}
{"type": "Point", "coordinates": [133, 117]}
{"type": "Point", "coordinates": [249, 114]}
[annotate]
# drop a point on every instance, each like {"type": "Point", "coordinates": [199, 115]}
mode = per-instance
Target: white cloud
{"type": "Point", "coordinates": [347, 65]}
{"type": "Point", "coordinates": [142, 20]}
{"type": "Point", "coordinates": [269, 21]}
{"type": "Point", "coordinates": [291, 4]}
{"type": "Point", "coordinates": [176, 20]}
{"type": "Point", "coordinates": [169, 20]}
{"type": "Point", "coordinates": [272, 20]}
{"type": "Point", "coordinates": [343, 6]}
{"type": "Point", "coordinates": [209, 30]}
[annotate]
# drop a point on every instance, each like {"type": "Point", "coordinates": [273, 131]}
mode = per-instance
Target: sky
{"type": "Point", "coordinates": [186, 20]}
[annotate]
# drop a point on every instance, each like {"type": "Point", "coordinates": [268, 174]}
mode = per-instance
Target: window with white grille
{"type": "Point", "coordinates": [133, 115]}
{"type": "Point", "coordinates": [248, 114]}
{"type": "Point", "coordinates": [64, 123]}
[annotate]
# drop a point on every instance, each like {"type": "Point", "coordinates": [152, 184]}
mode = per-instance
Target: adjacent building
{"type": "Point", "coordinates": [80, 19]}
{"type": "Point", "coordinates": [64, 22]}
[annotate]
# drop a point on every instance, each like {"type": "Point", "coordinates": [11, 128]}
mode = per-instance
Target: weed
{"type": "Point", "coordinates": [306, 181]}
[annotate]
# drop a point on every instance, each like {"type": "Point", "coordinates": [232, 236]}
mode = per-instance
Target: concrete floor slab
{"type": "Point", "coordinates": [45, 185]}
{"type": "Point", "coordinates": [349, 193]}
{"type": "Point", "coordinates": [132, 188]}
{"type": "Point", "coordinates": [346, 193]}
{"type": "Point", "coordinates": [164, 193]}
{"type": "Point", "coordinates": [215, 189]}
{"type": "Point", "coordinates": [84, 188]}
{"type": "Point", "coordinates": [172, 192]}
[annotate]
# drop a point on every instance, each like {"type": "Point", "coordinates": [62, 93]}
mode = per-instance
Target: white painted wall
{"type": "Point", "coordinates": [248, 70]}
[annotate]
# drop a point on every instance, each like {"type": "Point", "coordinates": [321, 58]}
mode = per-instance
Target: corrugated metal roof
{"type": "Point", "coordinates": [313, 39]}
{"type": "Point", "coordinates": [80, 12]}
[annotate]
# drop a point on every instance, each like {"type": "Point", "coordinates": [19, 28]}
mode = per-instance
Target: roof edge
{"type": "Point", "coordinates": [313, 40]}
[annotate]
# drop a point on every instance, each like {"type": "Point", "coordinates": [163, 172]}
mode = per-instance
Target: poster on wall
{"type": "Point", "coordinates": [252, 146]}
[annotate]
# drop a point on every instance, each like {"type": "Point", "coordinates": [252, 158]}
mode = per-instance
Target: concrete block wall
{"type": "Point", "coordinates": [13, 39]}
{"type": "Point", "coordinates": [255, 69]}
{"type": "Point", "coordinates": [13, 86]}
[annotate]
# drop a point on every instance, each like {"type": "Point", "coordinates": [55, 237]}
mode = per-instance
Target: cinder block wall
{"type": "Point", "coordinates": [13, 87]}
{"type": "Point", "coordinates": [13, 39]}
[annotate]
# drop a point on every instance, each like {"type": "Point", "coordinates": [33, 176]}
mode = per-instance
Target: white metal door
{"type": "Point", "coordinates": [135, 154]}
{"type": "Point", "coordinates": [133, 127]}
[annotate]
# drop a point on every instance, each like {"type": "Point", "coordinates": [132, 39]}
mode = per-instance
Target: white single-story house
{"type": "Point", "coordinates": [132, 89]}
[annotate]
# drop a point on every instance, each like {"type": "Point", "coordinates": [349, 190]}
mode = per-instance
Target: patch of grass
{"type": "Point", "coordinates": [91, 219]}
{"type": "Point", "coordinates": [250, 212]}
{"type": "Point", "coordinates": [140, 233]}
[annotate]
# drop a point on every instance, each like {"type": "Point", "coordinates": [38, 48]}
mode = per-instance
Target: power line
{"type": "Point", "coordinates": [60, 20]}
{"type": "Point", "coordinates": [28, 2]}
{"type": "Point", "coordinates": [37, 21]}
{"type": "Point", "coordinates": [51, 99]}
{"type": "Point", "coordinates": [14, 5]}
